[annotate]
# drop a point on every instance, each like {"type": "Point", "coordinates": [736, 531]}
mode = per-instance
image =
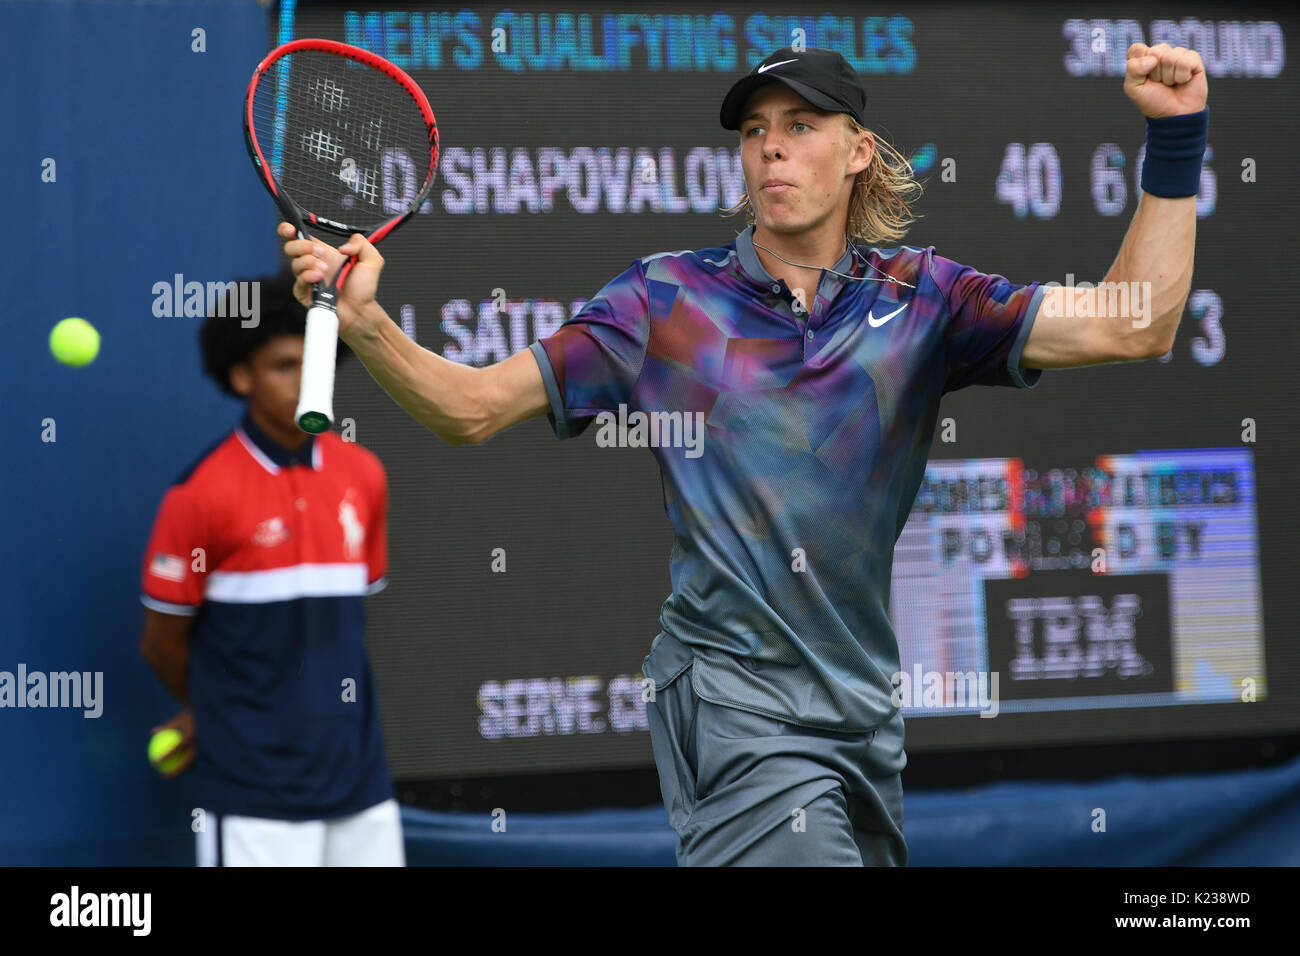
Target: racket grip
{"type": "Point", "coordinates": [315, 412]}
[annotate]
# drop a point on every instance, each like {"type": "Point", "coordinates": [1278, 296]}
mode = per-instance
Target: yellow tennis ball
{"type": "Point", "coordinates": [74, 342]}
{"type": "Point", "coordinates": [162, 744]}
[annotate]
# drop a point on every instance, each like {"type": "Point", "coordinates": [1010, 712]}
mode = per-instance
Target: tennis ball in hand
{"type": "Point", "coordinates": [74, 342]}
{"type": "Point", "coordinates": [160, 745]}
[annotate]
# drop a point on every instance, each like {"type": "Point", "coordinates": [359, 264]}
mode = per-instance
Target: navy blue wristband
{"type": "Point", "coordinates": [1175, 145]}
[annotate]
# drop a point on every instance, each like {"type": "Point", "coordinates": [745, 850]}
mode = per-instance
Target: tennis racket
{"type": "Point", "coordinates": [345, 142]}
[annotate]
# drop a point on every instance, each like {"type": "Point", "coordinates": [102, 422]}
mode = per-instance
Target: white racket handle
{"type": "Point", "coordinates": [315, 412]}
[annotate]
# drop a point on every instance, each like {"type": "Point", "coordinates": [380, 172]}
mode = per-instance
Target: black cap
{"type": "Point", "coordinates": [822, 77]}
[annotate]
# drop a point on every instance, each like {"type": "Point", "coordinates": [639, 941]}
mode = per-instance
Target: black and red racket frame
{"type": "Point", "coordinates": [291, 209]}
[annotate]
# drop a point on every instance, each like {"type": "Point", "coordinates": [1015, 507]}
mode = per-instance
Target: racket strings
{"type": "Point", "coordinates": [343, 140]}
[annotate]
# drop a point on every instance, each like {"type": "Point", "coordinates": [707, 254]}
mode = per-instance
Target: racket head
{"type": "Point", "coordinates": [344, 140]}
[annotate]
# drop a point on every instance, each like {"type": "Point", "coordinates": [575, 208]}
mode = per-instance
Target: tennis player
{"type": "Point", "coordinates": [254, 587]}
{"type": "Point", "coordinates": [817, 367]}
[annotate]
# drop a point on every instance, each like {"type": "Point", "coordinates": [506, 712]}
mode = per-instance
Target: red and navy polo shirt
{"type": "Point", "coordinates": [273, 553]}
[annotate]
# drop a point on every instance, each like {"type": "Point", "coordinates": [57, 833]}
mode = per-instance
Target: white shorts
{"type": "Point", "coordinates": [372, 837]}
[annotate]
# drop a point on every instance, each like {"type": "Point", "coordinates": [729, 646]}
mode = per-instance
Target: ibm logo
{"type": "Point", "coordinates": [1065, 638]}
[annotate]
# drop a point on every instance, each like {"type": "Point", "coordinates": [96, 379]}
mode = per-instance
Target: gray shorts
{"type": "Point", "coordinates": [744, 789]}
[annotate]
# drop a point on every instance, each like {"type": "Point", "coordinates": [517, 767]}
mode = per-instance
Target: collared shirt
{"type": "Point", "coordinates": [814, 434]}
{"type": "Point", "coordinates": [273, 553]}
{"type": "Point", "coordinates": [274, 452]}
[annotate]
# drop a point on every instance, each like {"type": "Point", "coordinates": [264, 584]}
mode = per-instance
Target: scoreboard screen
{"type": "Point", "coordinates": [1132, 582]}
{"type": "Point", "coordinates": [1105, 557]}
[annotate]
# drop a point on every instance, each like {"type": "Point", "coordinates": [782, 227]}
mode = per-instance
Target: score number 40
{"type": "Point", "coordinates": [1030, 180]}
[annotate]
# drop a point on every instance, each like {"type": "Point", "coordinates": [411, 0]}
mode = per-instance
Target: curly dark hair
{"type": "Point", "coordinates": [225, 342]}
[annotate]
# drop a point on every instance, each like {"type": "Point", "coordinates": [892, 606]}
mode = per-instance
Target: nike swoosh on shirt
{"type": "Point", "coordinates": [876, 323]}
{"type": "Point", "coordinates": [764, 69]}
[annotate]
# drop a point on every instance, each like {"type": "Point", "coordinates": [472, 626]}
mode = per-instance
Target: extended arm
{"type": "Point", "coordinates": [460, 404]}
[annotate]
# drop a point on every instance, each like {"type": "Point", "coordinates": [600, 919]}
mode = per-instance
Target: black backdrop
{"type": "Point", "coordinates": [582, 528]}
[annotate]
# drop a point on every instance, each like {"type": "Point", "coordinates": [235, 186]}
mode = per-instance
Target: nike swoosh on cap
{"type": "Point", "coordinates": [764, 69]}
{"type": "Point", "coordinates": [876, 323]}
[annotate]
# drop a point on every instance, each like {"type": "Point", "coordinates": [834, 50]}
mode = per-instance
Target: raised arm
{"type": "Point", "coordinates": [1134, 313]}
{"type": "Point", "coordinates": [460, 404]}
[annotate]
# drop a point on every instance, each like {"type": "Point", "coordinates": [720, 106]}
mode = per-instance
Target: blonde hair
{"type": "Point", "coordinates": [880, 208]}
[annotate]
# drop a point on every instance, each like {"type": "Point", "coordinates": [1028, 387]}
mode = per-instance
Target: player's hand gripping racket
{"type": "Point", "coordinates": [346, 142]}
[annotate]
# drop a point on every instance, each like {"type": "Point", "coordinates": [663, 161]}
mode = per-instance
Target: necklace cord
{"type": "Point", "coordinates": [848, 245]}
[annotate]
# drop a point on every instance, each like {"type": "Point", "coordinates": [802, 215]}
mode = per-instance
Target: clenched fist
{"type": "Point", "coordinates": [1164, 80]}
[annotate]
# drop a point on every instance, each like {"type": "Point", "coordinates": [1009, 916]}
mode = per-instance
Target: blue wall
{"type": "Point", "coordinates": [152, 180]}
